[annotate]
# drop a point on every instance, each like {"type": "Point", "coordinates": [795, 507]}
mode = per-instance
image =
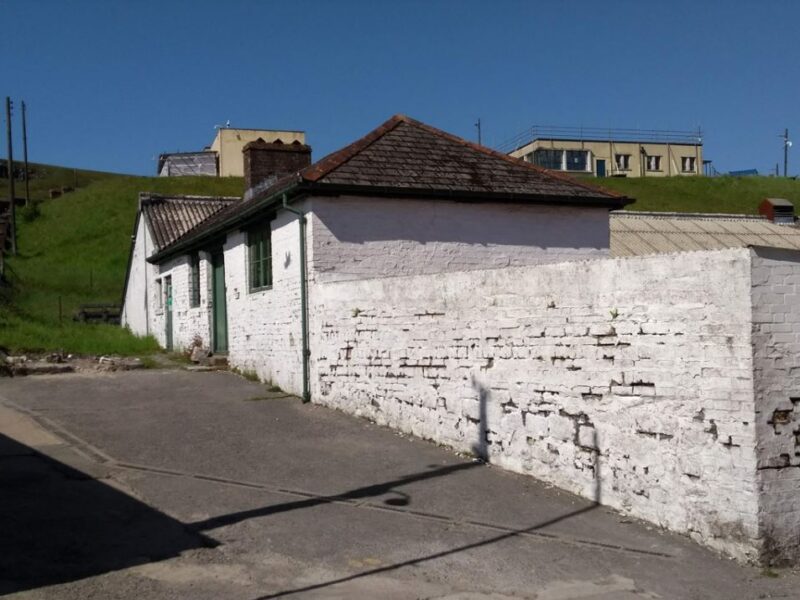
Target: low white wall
{"type": "Point", "coordinates": [776, 347]}
{"type": "Point", "coordinates": [359, 238]}
{"type": "Point", "coordinates": [629, 381]}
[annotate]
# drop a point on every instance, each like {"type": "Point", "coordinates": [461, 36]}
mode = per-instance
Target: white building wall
{"type": "Point", "coordinates": [626, 381]}
{"type": "Point", "coordinates": [776, 347]}
{"type": "Point", "coordinates": [264, 327]}
{"type": "Point", "coordinates": [134, 309]}
{"type": "Point", "coordinates": [189, 324]}
{"type": "Point", "coordinates": [356, 238]}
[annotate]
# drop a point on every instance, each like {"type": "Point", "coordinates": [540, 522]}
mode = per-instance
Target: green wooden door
{"type": "Point", "coordinates": [220, 309]}
{"type": "Point", "coordinates": [168, 309]}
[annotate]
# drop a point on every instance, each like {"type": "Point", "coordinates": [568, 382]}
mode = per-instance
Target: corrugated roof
{"type": "Point", "coordinates": [170, 217]}
{"type": "Point", "coordinates": [636, 233]}
{"type": "Point", "coordinates": [404, 157]}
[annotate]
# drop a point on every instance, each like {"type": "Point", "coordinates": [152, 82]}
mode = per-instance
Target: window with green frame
{"type": "Point", "coordinates": [259, 252]}
{"type": "Point", "coordinates": [194, 279]}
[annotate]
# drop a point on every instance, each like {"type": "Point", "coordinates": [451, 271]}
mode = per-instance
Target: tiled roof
{"type": "Point", "coordinates": [404, 156]}
{"type": "Point", "coordinates": [638, 233]}
{"type": "Point", "coordinates": [170, 217]}
{"type": "Point", "coordinates": [404, 153]}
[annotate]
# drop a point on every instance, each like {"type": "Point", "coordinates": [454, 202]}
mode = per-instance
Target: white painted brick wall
{"type": "Point", "coordinates": [358, 238]}
{"type": "Point", "coordinates": [776, 347]}
{"type": "Point", "coordinates": [629, 381]}
{"type": "Point", "coordinates": [264, 328]}
{"type": "Point", "coordinates": [187, 322]}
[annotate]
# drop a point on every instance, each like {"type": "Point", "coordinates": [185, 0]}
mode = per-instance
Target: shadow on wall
{"type": "Point", "coordinates": [467, 223]}
{"type": "Point", "coordinates": [59, 524]}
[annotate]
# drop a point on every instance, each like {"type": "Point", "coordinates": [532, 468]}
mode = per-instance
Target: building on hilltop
{"type": "Point", "coordinates": [223, 158]}
{"type": "Point", "coordinates": [610, 152]}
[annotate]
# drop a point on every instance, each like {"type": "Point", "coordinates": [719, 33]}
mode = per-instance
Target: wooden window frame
{"type": "Point", "coordinates": [259, 258]}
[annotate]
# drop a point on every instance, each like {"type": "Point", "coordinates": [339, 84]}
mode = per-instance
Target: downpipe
{"type": "Point", "coordinates": [303, 297]}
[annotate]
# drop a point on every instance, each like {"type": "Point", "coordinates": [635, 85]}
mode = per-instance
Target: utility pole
{"type": "Point", "coordinates": [478, 125]}
{"type": "Point", "coordinates": [25, 155]}
{"type": "Point", "coordinates": [786, 145]}
{"type": "Point", "coordinates": [10, 162]}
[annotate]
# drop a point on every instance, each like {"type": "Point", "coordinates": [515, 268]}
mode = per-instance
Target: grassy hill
{"type": "Point", "coordinates": [74, 249]}
{"type": "Point", "coordinates": [703, 194]}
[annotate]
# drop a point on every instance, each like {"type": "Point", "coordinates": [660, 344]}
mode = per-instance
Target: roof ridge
{"type": "Point", "coordinates": [515, 161]}
{"type": "Point", "coordinates": [336, 159]}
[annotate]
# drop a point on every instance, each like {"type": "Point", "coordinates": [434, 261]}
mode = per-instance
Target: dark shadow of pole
{"type": "Point", "coordinates": [356, 494]}
{"type": "Point", "coordinates": [434, 556]}
{"type": "Point", "coordinates": [481, 446]}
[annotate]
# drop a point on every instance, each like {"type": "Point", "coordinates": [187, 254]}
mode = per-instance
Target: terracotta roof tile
{"type": "Point", "coordinates": [170, 217]}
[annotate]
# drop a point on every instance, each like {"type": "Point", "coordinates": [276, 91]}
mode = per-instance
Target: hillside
{"type": "Point", "coordinates": [703, 194]}
{"type": "Point", "coordinates": [44, 178]}
{"type": "Point", "coordinates": [75, 249]}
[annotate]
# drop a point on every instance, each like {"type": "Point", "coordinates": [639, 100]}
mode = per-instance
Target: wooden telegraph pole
{"type": "Point", "coordinates": [12, 209]}
{"type": "Point", "coordinates": [25, 154]}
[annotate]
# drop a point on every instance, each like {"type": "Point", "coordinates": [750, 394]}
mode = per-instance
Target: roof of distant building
{"type": "Point", "coordinates": [636, 233]}
{"type": "Point", "coordinates": [406, 158]}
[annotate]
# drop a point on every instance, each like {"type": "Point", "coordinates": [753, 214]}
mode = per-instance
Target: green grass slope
{"type": "Point", "coordinates": [702, 194]}
{"type": "Point", "coordinates": [75, 251]}
{"type": "Point", "coordinates": [43, 178]}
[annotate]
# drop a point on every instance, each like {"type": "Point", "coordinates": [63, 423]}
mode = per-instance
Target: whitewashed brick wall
{"type": "Point", "coordinates": [357, 238]}
{"type": "Point", "coordinates": [188, 322]}
{"type": "Point", "coordinates": [776, 346]}
{"type": "Point", "coordinates": [264, 327]}
{"type": "Point", "coordinates": [627, 381]}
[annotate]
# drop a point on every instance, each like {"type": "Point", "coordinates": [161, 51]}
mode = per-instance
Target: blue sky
{"type": "Point", "coordinates": [110, 85]}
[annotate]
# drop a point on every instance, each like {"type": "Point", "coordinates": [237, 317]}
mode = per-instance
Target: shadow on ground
{"type": "Point", "coordinates": [59, 524]}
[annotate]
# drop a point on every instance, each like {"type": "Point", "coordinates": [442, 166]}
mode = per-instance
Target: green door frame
{"type": "Point", "coordinates": [219, 310]}
{"type": "Point", "coordinates": [168, 309]}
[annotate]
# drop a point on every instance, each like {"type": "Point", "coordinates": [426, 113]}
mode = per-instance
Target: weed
{"type": "Point", "coordinates": [274, 388]}
{"type": "Point", "coordinates": [247, 374]}
{"type": "Point", "coordinates": [768, 572]}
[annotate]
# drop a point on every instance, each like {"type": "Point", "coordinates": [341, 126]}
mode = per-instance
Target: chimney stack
{"type": "Point", "coordinates": [777, 210]}
{"type": "Point", "coordinates": [265, 161]}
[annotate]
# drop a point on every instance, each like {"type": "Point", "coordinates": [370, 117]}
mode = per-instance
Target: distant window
{"type": "Point", "coordinates": [194, 279]}
{"type": "Point", "coordinates": [623, 161]}
{"type": "Point", "coordinates": [259, 250]}
{"type": "Point", "coordinates": [547, 158]}
{"type": "Point", "coordinates": [688, 164]}
{"type": "Point", "coordinates": [653, 162]}
{"type": "Point", "coordinates": [577, 160]}
{"type": "Point", "coordinates": [159, 294]}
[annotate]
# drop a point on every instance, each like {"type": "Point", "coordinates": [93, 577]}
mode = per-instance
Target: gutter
{"type": "Point", "coordinates": [301, 218]}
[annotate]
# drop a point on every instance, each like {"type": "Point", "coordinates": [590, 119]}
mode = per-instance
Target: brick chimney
{"type": "Point", "coordinates": [777, 210]}
{"type": "Point", "coordinates": [271, 160]}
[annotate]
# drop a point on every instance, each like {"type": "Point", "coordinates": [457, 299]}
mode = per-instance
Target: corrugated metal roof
{"type": "Point", "coordinates": [636, 233]}
{"type": "Point", "coordinates": [169, 217]}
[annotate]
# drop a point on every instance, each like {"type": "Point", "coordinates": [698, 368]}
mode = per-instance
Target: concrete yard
{"type": "Point", "coordinates": [170, 484]}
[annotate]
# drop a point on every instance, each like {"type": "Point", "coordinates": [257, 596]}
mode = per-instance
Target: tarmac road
{"type": "Point", "coordinates": [171, 484]}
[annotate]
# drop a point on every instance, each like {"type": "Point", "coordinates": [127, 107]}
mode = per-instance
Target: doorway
{"type": "Point", "coordinates": [219, 326]}
{"type": "Point", "coordinates": [168, 310]}
{"type": "Point", "coordinates": [601, 167]}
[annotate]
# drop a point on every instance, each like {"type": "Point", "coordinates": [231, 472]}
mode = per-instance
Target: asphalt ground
{"type": "Point", "coordinates": [171, 484]}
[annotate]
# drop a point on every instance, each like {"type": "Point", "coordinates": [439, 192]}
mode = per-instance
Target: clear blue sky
{"type": "Point", "coordinates": [110, 85]}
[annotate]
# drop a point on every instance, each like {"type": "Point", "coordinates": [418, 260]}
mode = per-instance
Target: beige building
{"type": "Point", "coordinates": [611, 153]}
{"type": "Point", "coordinates": [229, 142]}
{"type": "Point", "coordinates": [223, 158]}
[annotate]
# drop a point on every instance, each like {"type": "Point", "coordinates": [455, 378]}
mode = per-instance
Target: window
{"type": "Point", "coordinates": [623, 161]}
{"type": "Point", "coordinates": [688, 164]}
{"type": "Point", "coordinates": [653, 162]}
{"type": "Point", "coordinates": [549, 159]}
{"type": "Point", "coordinates": [259, 249]}
{"type": "Point", "coordinates": [194, 279]}
{"type": "Point", "coordinates": [577, 160]}
{"type": "Point", "coordinates": [159, 294]}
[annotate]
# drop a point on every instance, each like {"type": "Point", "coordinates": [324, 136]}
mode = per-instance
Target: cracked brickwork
{"type": "Point", "coordinates": [776, 348]}
{"type": "Point", "coordinates": [630, 381]}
